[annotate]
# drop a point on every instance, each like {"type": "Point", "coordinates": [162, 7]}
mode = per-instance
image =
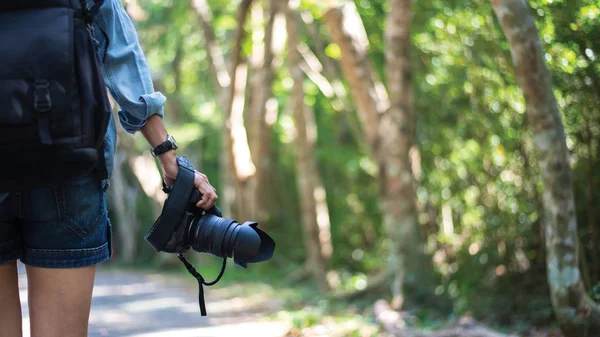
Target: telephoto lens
{"type": "Point", "coordinates": [211, 233]}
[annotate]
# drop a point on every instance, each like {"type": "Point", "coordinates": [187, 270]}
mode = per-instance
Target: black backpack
{"type": "Point", "coordinates": [54, 109]}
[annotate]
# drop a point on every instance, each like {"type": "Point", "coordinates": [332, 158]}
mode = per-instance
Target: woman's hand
{"type": "Point", "coordinates": [168, 161]}
{"type": "Point", "coordinates": [155, 133]}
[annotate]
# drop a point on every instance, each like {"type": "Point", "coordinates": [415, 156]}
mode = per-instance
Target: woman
{"type": "Point", "coordinates": [62, 233]}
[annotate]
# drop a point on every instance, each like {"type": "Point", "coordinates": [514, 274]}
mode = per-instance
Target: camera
{"type": "Point", "coordinates": [182, 226]}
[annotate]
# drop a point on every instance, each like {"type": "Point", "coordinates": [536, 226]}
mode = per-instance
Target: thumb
{"type": "Point", "coordinates": [168, 181]}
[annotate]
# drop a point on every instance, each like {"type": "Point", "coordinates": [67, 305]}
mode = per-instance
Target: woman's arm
{"type": "Point", "coordinates": [127, 75]}
{"type": "Point", "coordinates": [124, 67]}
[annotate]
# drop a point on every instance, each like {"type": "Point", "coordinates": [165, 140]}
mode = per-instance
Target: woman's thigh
{"type": "Point", "coordinates": [10, 303]}
{"type": "Point", "coordinates": [59, 301]}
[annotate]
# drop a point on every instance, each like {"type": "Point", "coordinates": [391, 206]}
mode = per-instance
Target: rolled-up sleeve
{"type": "Point", "coordinates": [125, 69]}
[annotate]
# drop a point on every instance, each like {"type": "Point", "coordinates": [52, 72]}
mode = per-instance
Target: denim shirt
{"type": "Point", "coordinates": [126, 74]}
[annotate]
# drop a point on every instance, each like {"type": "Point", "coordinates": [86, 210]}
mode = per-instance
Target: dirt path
{"type": "Point", "coordinates": [137, 305]}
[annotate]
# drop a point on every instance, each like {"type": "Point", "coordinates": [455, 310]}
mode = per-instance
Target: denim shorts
{"type": "Point", "coordinates": [64, 226]}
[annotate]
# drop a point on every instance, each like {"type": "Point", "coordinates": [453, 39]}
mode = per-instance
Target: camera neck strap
{"type": "Point", "coordinates": [201, 281]}
{"type": "Point", "coordinates": [180, 195]}
{"type": "Point", "coordinates": [173, 210]}
{"type": "Point", "coordinates": [185, 180]}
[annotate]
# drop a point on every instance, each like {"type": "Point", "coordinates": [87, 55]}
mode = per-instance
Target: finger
{"type": "Point", "coordinates": [202, 205]}
{"type": "Point", "coordinates": [169, 182]}
{"type": "Point", "coordinates": [204, 202]}
{"type": "Point", "coordinates": [213, 199]}
{"type": "Point", "coordinates": [207, 191]}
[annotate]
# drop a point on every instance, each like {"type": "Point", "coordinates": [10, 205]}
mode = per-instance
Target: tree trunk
{"type": "Point", "coordinates": [591, 211]}
{"type": "Point", "coordinates": [236, 161]}
{"type": "Point", "coordinates": [216, 61]}
{"type": "Point", "coordinates": [221, 82]}
{"type": "Point", "coordinates": [396, 134]}
{"type": "Point", "coordinates": [577, 313]}
{"type": "Point", "coordinates": [315, 215]}
{"type": "Point", "coordinates": [348, 32]}
{"type": "Point", "coordinates": [237, 142]}
{"type": "Point", "coordinates": [238, 149]}
{"type": "Point", "coordinates": [389, 127]}
{"type": "Point", "coordinates": [259, 130]}
{"type": "Point", "coordinates": [123, 197]}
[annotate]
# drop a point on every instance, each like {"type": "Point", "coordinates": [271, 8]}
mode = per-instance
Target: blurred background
{"type": "Point", "coordinates": [285, 106]}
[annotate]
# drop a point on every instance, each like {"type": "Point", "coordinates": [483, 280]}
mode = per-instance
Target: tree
{"type": "Point", "coordinates": [237, 160]}
{"type": "Point", "coordinates": [262, 106]}
{"type": "Point", "coordinates": [315, 215]}
{"type": "Point", "coordinates": [577, 313]}
{"type": "Point", "coordinates": [389, 128]}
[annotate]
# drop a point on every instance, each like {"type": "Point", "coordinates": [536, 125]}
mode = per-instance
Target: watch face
{"type": "Point", "coordinates": [173, 142]}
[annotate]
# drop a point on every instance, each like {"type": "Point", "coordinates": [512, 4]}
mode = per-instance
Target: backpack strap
{"type": "Point", "coordinates": [89, 12]}
{"type": "Point", "coordinates": [89, 15]}
{"type": "Point", "coordinates": [94, 9]}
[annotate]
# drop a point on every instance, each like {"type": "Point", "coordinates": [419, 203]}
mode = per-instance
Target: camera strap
{"type": "Point", "coordinates": [201, 281]}
{"type": "Point", "coordinates": [180, 194]}
{"type": "Point", "coordinates": [173, 211]}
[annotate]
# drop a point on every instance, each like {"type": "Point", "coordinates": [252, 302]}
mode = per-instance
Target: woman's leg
{"type": "Point", "coordinates": [10, 304]}
{"type": "Point", "coordinates": [66, 233]}
{"type": "Point", "coordinates": [59, 301]}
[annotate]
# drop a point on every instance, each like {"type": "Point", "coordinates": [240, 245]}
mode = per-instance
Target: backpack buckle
{"type": "Point", "coordinates": [41, 95]}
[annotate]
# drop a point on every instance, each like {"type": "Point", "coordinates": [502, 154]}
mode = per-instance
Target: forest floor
{"type": "Point", "coordinates": [143, 303]}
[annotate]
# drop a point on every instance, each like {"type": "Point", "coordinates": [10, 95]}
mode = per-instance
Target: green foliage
{"type": "Point", "coordinates": [479, 195]}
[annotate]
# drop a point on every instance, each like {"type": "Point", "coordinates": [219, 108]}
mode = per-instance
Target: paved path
{"type": "Point", "coordinates": [138, 305]}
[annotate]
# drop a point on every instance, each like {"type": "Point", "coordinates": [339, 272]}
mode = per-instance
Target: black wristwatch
{"type": "Point", "coordinates": [167, 145]}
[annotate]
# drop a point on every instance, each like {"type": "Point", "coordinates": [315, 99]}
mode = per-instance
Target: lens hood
{"type": "Point", "coordinates": [252, 245]}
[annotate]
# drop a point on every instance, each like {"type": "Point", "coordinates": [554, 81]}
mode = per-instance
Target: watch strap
{"type": "Point", "coordinates": [167, 145]}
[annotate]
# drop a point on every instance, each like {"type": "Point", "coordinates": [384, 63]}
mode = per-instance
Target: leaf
{"type": "Point", "coordinates": [333, 50]}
